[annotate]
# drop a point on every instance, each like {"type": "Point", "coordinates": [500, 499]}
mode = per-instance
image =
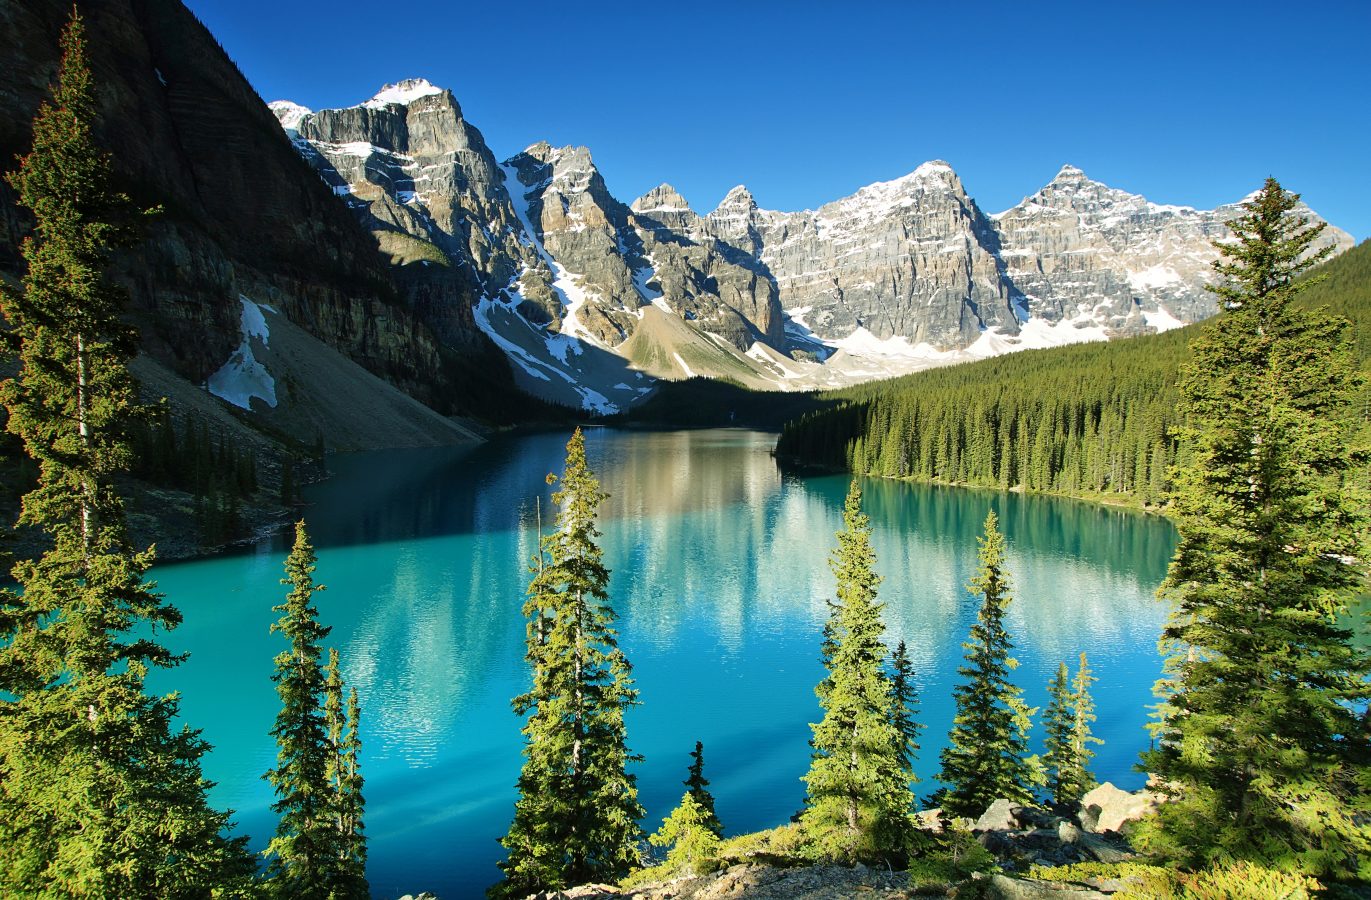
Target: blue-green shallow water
{"type": "Point", "coordinates": [720, 577]}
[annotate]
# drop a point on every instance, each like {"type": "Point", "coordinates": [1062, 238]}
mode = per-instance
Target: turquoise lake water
{"type": "Point", "coordinates": [720, 577]}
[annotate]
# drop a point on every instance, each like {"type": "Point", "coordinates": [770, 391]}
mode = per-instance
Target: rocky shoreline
{"type": "Point", "coordinates": [1020, 837]}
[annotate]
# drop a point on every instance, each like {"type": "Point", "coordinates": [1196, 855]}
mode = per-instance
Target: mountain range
{"type": "Point", "coordinates": [259, 281]}
{"type": "Point", "coordinates": [591, 298]}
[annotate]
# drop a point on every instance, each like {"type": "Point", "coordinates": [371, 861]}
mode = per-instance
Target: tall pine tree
{"type": "Point", "coordinates": [100, 796]}
{"type": "Point", "coordinates": [318, 850]}
{"type": "Point", "coordinates": [576, 818]}
{"type": "Point", "coordinates": [1070, 711]}
{"type": "Point", "coordinates": [906, 696]}
{"type": "Point", "coordinates": [1261, 747]}
{"type": "Point", "coordinates": [859, 804]}
{"type": "Point", "coordinates": [987, 753]}
{"type": "Point", "coordinates": [697, 785]}
{"type": "Point", "coordinates": [344, 778]}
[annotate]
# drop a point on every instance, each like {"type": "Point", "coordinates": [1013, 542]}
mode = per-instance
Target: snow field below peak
{"type": "Point", "coordinates": [242, 377]}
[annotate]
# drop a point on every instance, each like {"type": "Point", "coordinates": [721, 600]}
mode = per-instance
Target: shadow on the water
{"type": "Point", "coordinates": [501, 485]}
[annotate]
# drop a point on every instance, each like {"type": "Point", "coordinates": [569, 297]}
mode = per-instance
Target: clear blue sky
{"type": "Point", "coordinates": [1189, 102]}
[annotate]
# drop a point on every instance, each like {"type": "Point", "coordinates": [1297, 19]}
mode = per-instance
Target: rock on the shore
{"type": "Point", "coordinates": [1107, 808]}
{"type": "Point", "coordinates": [1002, 887]}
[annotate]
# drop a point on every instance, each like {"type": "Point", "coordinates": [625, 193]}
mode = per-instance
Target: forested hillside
{"type": "Point", "coordinates": [1083, 420]}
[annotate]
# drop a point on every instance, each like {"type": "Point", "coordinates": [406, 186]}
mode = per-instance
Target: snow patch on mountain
{"type": "Point", "coordinates": [290, 115]}
{"type": "Point", "coordinates": [1161, 320]}
{"type": "Point", "coordinates": [1154, 277]}
{"type": "Point", "coordinates": [564, 283]}
{"type": "Point", "coordinates": [242, 377]}
{"type": "Point", "coordinates": [402, 93]}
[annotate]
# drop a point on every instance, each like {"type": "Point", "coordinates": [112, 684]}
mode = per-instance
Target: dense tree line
{"type": "Point", "coordinates": [1086, 419]}
{"type": "Point", "coordinates": [1083, 420]}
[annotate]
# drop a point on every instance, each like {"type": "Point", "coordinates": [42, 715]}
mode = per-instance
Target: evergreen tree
{"type": "Point", "coordinates": [576, 819]}
{"type": "Point", "coordinates": [1261, 748]}
{"type": "Point", "coordinates": [1082, 714]}
{"type": "Point", "coordinates": [1058, 760]}
{"type": "Point", "coordinates": [304, 851]}
{"type": "Point", "coordinates": [859, 803]}
{"type": "Point", "coordinates": [344, 777]}
{"type": "Point", "coordinates": [698, 787]}
{"type": "Point", "coordinates": [1067, 722]}
{"type": "Point", "coordinates": [687, 831]}
{"type": "Point", "coordinates": [987, 753]}
{"type": "Point", "coordinates": [906, 705]}
{"type": "Point", "coordinates": [99, 795]}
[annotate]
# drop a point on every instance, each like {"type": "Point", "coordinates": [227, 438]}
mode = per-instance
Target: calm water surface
{"type": "Point", "coordinates": [720, 577]}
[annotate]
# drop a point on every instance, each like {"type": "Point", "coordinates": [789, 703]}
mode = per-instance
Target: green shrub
{"type": "Point", "coordinates": [951, 858]}
{"type": "Point", "coordinates": [1234, 881]}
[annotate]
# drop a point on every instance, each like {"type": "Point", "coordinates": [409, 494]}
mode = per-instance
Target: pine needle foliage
{"type": "Point", "coordinates": [859, 806]}
{"type": "Point", "coordinates": [315, 775]}
{"type": "Point", "coordinates": [698, 787]}
{"type": "Point", "coordinates": [100, 795]}
{"type": "Point", "coordinates": [905, 693]}
{"type": "Point", "coordinates": [1261, 746]}
{"type": "Point", "coordinates": [688, 832]}
{"type": "Point", "coordinates": [344, 779]}
{"type": "Point", "coordinates": [1070, 711]}
{"type": "Point", "coordinates": [987, 754]}
{"type": "Point", "coordinates": [576, 819]}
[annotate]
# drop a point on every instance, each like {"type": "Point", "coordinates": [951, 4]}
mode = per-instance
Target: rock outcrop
{"type": "Point", "coordinates": [912, 258]}
{"type": "Point", "coordinates": [1108, 808]}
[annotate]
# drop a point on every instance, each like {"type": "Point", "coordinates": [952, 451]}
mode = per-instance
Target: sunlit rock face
{"type": "Point", "coordinates": [902, 275]}
{"type": "Point", "coordinates": [1082, 252]}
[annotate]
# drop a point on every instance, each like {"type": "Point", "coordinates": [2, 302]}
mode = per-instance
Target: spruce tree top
{"type": "Point", "coordinates": [299, 617]}
{"type": "Point", "coordinates": [1271, 248]}
{"type": "Point", "coordinates": [78, 217]}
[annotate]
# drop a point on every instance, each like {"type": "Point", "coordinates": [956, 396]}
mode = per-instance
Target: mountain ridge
{"type": "Point", "coordinates": [898, 276]}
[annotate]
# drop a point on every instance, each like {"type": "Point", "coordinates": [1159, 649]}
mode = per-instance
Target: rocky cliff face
{"type": "Point", "coordinates": [241, 214]}
{"type": "Point", "coordinates": [899, 276]}
{"type": "Point", "coordinates": [912, 258]}
{"type": "Point", "coordinates": [1080, 251]}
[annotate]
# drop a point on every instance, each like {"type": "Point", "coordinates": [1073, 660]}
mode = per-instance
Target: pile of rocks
{"type": "Point", "coordinates": [1021, 835]}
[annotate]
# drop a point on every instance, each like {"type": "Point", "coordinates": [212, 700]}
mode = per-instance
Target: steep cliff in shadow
{"type": "Point", "coordinates": [242, 215]}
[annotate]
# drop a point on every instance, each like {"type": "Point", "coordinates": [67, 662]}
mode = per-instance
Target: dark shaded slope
{"type": "Point", "coordinates": [242, 213]}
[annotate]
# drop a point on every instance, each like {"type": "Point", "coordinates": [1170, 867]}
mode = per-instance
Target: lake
{"type": "Point", "coordinates": [720, 578]}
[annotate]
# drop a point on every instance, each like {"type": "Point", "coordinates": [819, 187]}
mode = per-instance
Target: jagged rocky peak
{"type": "Point", "coordinates": [403, 93]}
{"type": "Point", "coordinates": [662, 198]}
{"type": "Point", "coordinates": [567, 170]}
{"type": "Point", "coordinates": [1069, 174]}
{"type": "Point", "coordinates": [664, 207]}
{"type": "Point", "coordinates": [564, 190]}
{"type": "Point", "coordinates": [934, 175]}
{"type": "Point", "coordinates": [911, 258]}
{"type": "Point", "coordinates": [1071, 189]}
{"type": "Point", "coordinates": [737, 203]}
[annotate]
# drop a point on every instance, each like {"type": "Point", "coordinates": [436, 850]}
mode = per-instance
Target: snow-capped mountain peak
{"type": "Point", "coordinates": [289, 114]}
{"type": "Point", "coordinates": [591, 299]}
{"type": "Point", "coordinates": [402, 93]}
